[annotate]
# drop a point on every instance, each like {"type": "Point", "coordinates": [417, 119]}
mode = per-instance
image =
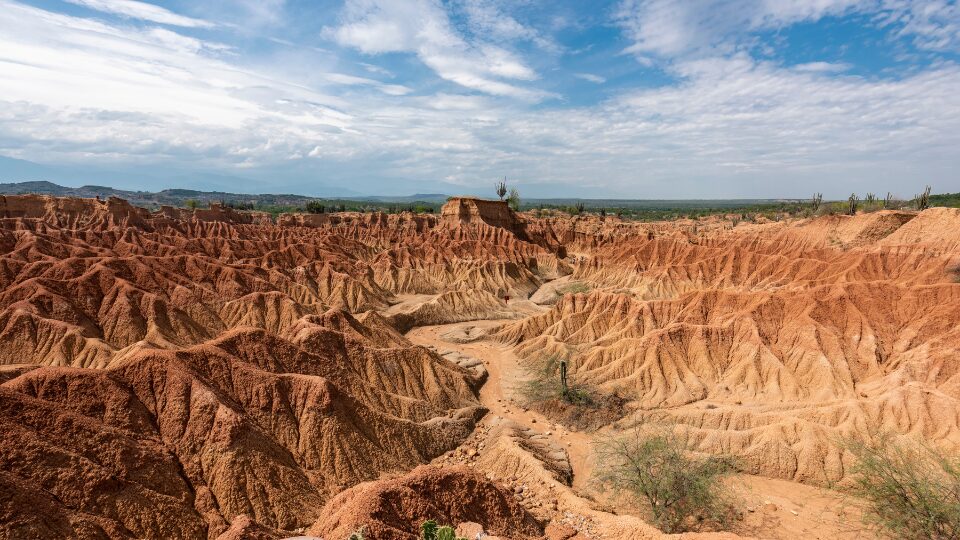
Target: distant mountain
{"type": "Point", "coordinates": [182, 197]}
{"type": "Point", "coordinates": [20, 171]}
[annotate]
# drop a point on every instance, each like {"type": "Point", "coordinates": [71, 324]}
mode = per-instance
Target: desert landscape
{"type": "Point", "coordinates": [211, 373]}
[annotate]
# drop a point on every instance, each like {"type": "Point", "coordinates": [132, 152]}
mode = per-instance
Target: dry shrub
{"type": "Point", "coordinates": [908, 492]}
{"type": "Point", "coordinates": [576, 404]}
{"type": "Point", "coordinates": [680, 492]}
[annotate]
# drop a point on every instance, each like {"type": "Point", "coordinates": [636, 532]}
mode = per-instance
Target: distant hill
{"type": "Point", "coordinates": [184, 197]}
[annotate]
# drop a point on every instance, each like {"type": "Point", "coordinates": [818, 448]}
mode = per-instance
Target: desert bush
{"type": "Point", "coordinates": [429, 530]}
{"type": "Point", "coordinates": [316, 207]}
{"type": "Point", "coordinates": [359, 534]}
{"type": "Point", "coordinates": [447, 533]}
{"type": "Point", "coordinates": [908, 492]}
{"type": "Point", "coordinates": [682, 493]}
{"type": "Point", "coordinates": [548, 379]}
{"type": "Point", "coordinates": [513, 200]}
{"type": "Point", "coordinates": [576, 288]}
{"type": "Point", "coordinates": [550, 390]}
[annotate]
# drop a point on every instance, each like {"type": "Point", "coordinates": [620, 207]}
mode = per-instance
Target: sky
{"type": "Point", "coordinates": [623, 98]}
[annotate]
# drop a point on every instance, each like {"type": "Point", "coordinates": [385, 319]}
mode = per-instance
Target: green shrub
{"type": "Point", "coordinates": [908, 492]}
{"type": "Point", "coordinates": [428, 530]}
{"type": "Point", "coordinates": [681, 492]}
{"type": "Point", "coordinates": [513, 200]}
{"type": "Point", "coordinates": [446, 533]}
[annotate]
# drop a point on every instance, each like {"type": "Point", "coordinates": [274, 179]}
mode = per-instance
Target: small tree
{"type": "Point", "coordinates": [316, 207]}
{"type": "Point", "coordinates": [852, 204]}
{"type": "Point", "coordinates": [909, 492]}
{"type": "Point", "coordinates": [677, 489]}
{"type": "Point", "coordinates": [502, 188]}
{"type": "Point", "coordinates": [192, 204]}
{"type": "Point", "coordinates": [514, 199]}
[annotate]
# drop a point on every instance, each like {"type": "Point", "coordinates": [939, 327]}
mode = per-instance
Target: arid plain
{"type": "Point", "coordinates": [223, 375]}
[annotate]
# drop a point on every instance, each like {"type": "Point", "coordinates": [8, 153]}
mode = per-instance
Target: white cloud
{"type": "Point", "coordinates": [423, 27]}
{"type": "Point", "coordinates": [822, 67]}
{"type": "Point", "coordinates": [487, 18]}
{"type": "Point", "coordinates": [590, 77]}
{"type": "Point", "coordinates": [666, 28]}
{"type": "Point", "coordinates": [143, 11]}
{"type": "Point", "coordinates": [351, 80]}
{"type": "Point", "coordinates": [933, 24]}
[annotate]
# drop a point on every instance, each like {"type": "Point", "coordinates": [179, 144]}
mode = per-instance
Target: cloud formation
{"type": "Point", "coordinates": [143, 11]}
{"type": "Point", "coordinates": [423, 27]}
{"type": "Point", "coordinates": [388, 97]}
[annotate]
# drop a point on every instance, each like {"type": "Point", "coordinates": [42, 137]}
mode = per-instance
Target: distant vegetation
{"type": "Point", "coordinates": [909, 492]}
{"type": "Point", "coordinates": [681, 492]}
{"type": "Point", "coordinates": [639, 210]}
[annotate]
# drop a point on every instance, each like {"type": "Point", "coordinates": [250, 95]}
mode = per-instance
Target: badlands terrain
{"type": "Point", "coordinates": [214, 374]}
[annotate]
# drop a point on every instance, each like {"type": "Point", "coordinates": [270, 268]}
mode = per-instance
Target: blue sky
{"type": "Point", "coordinates": [623, 98]}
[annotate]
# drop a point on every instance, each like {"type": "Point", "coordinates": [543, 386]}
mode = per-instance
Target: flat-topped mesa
{"type": "Point", "coordinates": [71, 212]}
{"type": "Point", "coordinates": [471, 210]}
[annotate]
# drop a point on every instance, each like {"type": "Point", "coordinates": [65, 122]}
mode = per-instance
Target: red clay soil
{"type": "Point", "coordinates": [394, 509]}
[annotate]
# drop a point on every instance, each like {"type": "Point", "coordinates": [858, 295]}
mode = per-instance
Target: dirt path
{"type": "Point", "coordinates": [498, 394]}
{"type": "Point", "coordinates": [775, 509]}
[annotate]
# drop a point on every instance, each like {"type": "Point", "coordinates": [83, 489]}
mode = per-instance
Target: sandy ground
{"type": "Point", "coordinates": [775, 509]}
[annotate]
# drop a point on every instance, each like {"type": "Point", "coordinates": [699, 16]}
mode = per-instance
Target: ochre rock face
{"type": "Point", "coordinates": [465, 210]}
{"type": "Point", "coordinates": [212, 373]}
{"type": "Point", "coordinates": [774, 342]}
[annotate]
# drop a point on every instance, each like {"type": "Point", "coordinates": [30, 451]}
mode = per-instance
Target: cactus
{"type": "Point", "coordinates": [852, 202]}
{"type": "Point", "coordinates": [502, 188]}
{"type": "Point", "coordinates": [428, 530]}
{"type": "Point", "coordinates": [888, 200]}
{"type": "Point", "coordinates": [923, 200]}
{"type": "Point", "coordinates": [563, 376]}
{"type": "Point", "coordinates": [815, 202]}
